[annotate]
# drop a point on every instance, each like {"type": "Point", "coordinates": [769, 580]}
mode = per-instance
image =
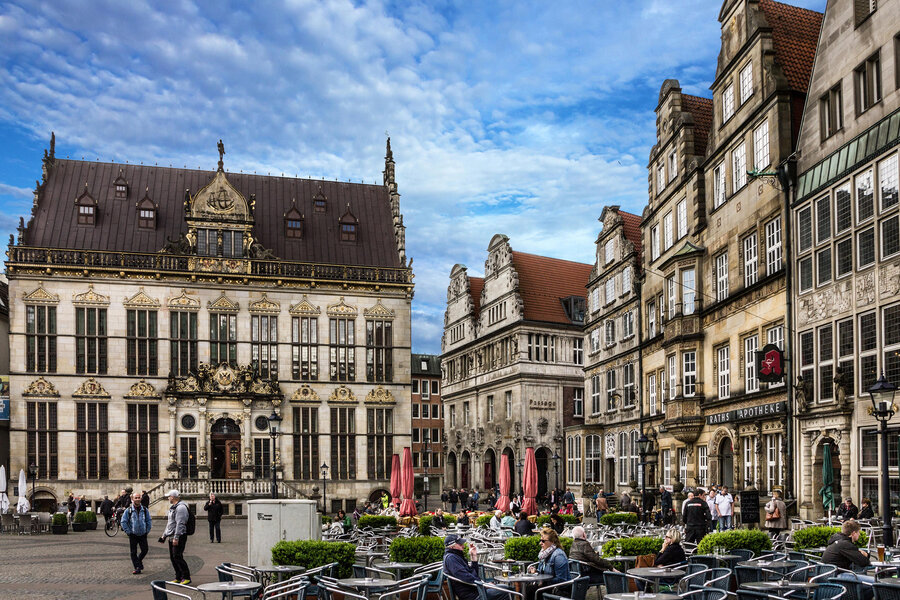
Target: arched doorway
{"type": "Point", "coordinates": [375, 496]}
{"type": "Point", "coordinates": [464, 463]}
{"type": "Point", "coordinates": [542, 458]}
{"type": "Point", "coordinates": [726, 462]}
{"type": "Point", "coordinates": [513, 487]}
{"type": "Point", "coordinates": [451, 470]}
{"type": "Point", "coordinates": [490, 469]}
{"type": "Point", "coordinates": [43, 501]}
{"type": "Point", "coordinates": [225, 439]}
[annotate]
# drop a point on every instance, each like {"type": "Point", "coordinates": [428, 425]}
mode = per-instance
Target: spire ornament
{"type": "Point", "coordinates": [221, 148]}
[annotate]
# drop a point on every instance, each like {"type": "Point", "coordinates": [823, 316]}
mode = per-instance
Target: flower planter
{"type": "Point", "coordinates": [92, 526]}
{"type": "Point", "coordinates": [59, 529]}
{"type": "Point", "coordinates": [79, 526]}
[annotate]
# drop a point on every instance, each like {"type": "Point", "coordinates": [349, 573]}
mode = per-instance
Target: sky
{"type": "Point", "coordinates": [523, 118]}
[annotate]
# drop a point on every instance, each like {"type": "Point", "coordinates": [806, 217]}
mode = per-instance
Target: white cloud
{"type": "Point", "coordinates": [15, 192]}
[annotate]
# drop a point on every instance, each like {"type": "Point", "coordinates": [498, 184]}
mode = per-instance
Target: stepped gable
{"type": "Point", "coordinates": [795, 35]}
{"type": "Point", "coordinates": [543, 281]}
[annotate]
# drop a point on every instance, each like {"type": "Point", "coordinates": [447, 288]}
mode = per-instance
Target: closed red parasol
{"type": "Point", "coordinates": [408, 505]}
{"type": "Point", "coordinates": [503, 500]}
{"type": "Point", "coordinates": [395, 480]}
{"type": "Point", "coordinates": [531, 482]}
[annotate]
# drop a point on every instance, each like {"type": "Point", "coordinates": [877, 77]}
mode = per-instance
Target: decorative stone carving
{"type": "Point", "coordinates": [610, 445]}
{"type": "Point", "coordinates": [342, 394]}
{"type": "Point", "coordinates": [224, 379]}
{"type": "Point", "coordinates": [264, 306]}
{"type": "Point", "coordinates": [341, 309]}
{"type": "Point", "coordinates": [223, 304]}
{"type": "Point", "coordinates": [40, 296]}
{"type": "Point", "coordinates": [543, 426]}
{"type": "Point", "coordinates": [379, 311]}
{"type": "Point", "coordinates": [41, 387]}
{"type": "Point", "coordinates": [142, 389]}
{"type": "Point", "coordinates": [91, 388]}
{"type": "Point", "coordinates": [804, 394]}
{"type": "Point", "coordinates": [380, 395]}
{"type": "Point", "coordinates": [184, 302]}
{"type": "Point", "coordinates": [305, 393]}
{"type": "Point", "coordinates": [141, 300]}
{"type": "Point", "coordinates": [90, 298]}
{"type": "Point", "coordinates": [843, 386]}
{"type": "Point", "coordinates": [305, 309]}
{"type": "Point", "coordinates": [865, 289]}
{"type": "Point", "coordinates": [889, 280]}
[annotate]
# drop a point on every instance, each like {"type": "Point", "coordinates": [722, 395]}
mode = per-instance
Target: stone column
{"type": "Point", "coordinates": [247, 443]}
{"type": "Point", "coordinates": [843, 436]}
{"type": "Point", "coordinates": [173, 449]}
{"type": "Point", "coordinates": [803, 486]}
{"type": "Point", "coordinates": [203, 446]}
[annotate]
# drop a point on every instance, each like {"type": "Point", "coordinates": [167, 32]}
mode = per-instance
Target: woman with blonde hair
{"type": "Point", "coordinates": [671, 553]}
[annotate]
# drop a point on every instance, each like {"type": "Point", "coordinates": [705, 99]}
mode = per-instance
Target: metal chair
{"type": "Point", "coordinates": [710, 562]}
{"type": "Point", "coordinates": [886, 591]}
{"type": "Point", "coordinates": [617, 583]}
{"type": "Point", "coordinates": [829, 591]}
{"type": "Point", "coordinates": [719, 579]}
{"type": "Point", "coordinates": [295, 586]}
{"type": "Point", "coordinates": [705, 594]}
{"type": "Point", "coordinates": [161, 591]}
{"type": "Point", "coordinates": [751, 574]}
{"type": "Point", "coordinates": [577, 591]}
{"type": "Point", "coordinates": [696, 576]}
{"type": "Point", "coordinates": [744, 553]}
{"type": "Point", "coordinates": [753, 595]}
{"type": "Point", "coordinates": [25, 525]}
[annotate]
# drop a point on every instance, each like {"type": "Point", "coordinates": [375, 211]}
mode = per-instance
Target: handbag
{"type": "Point", "coordinates": [773, 516]}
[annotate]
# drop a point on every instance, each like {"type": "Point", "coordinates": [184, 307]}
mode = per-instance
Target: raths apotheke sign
{"type": "Point", "coordinates": [744, 414]}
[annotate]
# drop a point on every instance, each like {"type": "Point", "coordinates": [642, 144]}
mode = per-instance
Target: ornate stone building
{"type": "Point", "coordinates": [714, 280]}
{"type": "Point", "coordinates": [160, 315]}
{"type": "Point", "coordinates": [847, 249]}
{"type": "Point", "coordinates": [512, 359]}
{"type": "Point", "coordinates": [602, 451]}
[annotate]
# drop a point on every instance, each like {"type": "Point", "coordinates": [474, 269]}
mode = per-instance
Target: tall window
{"type": "Point", "coordinates": [654, 242]}
{"type": "Point", "coordinates": [232, 244]}
{"type": "Point", "coordinates": [379, 351]}
{"type": "Point", "coordinates": [635, 459]}
{"type": "Point", "coordinates": [593, 458]}
{"type": "Point", "coordinates": [651, 319]}
{"type": "Point", "coordinates": [891, 356]}
{"type": "Point", "coordinates": [453, 416]}
{"type": "Point", "coordinates": [305, 348]}
{"type": "Point", "coordinates": [341, 359]}
{"type": "Point", "coordinates": [262, 458]}
{"type": "Point", "coordinates": [865, 247]}
{"type": "Point", "coordinates": [673, 165]}
{"type": "Point", "coordinates": [41, 435]}
{"type": "Point", "coordinates": [595, 394]}
{"type": "Point", "coordinates": [623, 458]}
{"type": "Point", "coordinates": [773, 461]}
{"type": "Point", "coordinates": [264, 345]}
{"type": "Point", "coordinates": [507, 397]}
{"type": "Point", "coordinates": [773, 245]}
{"type": "Point", "coordinates": [578, 402]}
{"type": "Point", "coordinates": [490, 408]}
{"type": "Point", "coordinates": [609, 291]}
{"type": "Point", "coordinates": [667, 231]}
{"type": "Point", "coordinates": [804, 229]}
{"type": "Point", "coordinates": [207, 242]}
{"type": "Point", "coordinates": [223, 338]}
{"type": "Point", "coordinates": [306, 442]}
{"type": "Point", "coordinates": [188, 452]}
{"type": "Point", "coordinates": [749, 459]}
{"type": "Point", "coordinates": [343, 443]}
{"type": "Point", "coordinates": [887, 179]}
{"type": "Point", "coordinates": [751, 344]}
{"type": "Point", "coordinates": [142, 342]}
{"type": "Point", "coordinates": [671, 293]}
{"type": "Point", "coordinates": [40, 339]}
{"type": "Point", "coordinates": [739, 167]}
{"type": "Point", "coordinates": [865, 197]}
{"type": "Point", "coordinates": [843, 209]}
{"type": "Point", "coordinates": [91, 441]}
{"type": "Point", "coordinates": [702, 464]}
{"type": "Point", "coordinates": [775, 335]}
{"type": "Point", "coordinates": [578, 350]}
{"type": "Point", "coordinates": [727, 102]}
{"type": "Point", "coordinates": [380, 441]}
{"type": "Point", "coordinates": [689, 374]}
{"type": "Point", "coordinates": [751, 260]}
{"type": "Point", "coordinates": [845, 351]}
{"type": "Point", "coordinates": [681, 215]}
{"type": "Point", "coordinates": [466, 419]}
{"type": "Point", "coordinates": [746, 82]}
{"type": "Point", "coordinates": [868, 351]}
{"type": "Point", "coordinates": [722, 276]}
{"type": "Point", "coordinates": [826, 364]}
{"type": "Point", "coordinates": [651, 388]}
{"type": "Point", "coordinates": [831, 112]}
{"type": "Point", "coordinates": [682, 465]}
{"type": "Point", "coordinates": [661, 379]}
{"type": "Point", "coordinates": [627, 324]}
{"type": "Point", "coordinates": [673, 375]}
{"type": "Point", "coordinates": [761, 146]}
{"type": "Point", "coordinates": [666, 460]}
{"type": "Point", "coordinates": [724, 363]}
{"type": "Point", "coordinates": [807, 359]}
{"type": "Point", "coordinates": [823, 219]}
{"type": "Point", "coordinates": [609, 251]}
{"type": "Point", "coordinates": [573, 459]}
{"type": "Point", "coordinates": [143, 441]}
{"type": "Point", "coordinates": [183, 342]}
{"type": "Point", "coordinates": [719, 185]}
{"type": "Point", "coordinates": [626, 281]}
{"type": "Point", "coordinates": [628, 384]}
{"type": "Point", "coordinates": [868, 83]}
{"type": "Point", "coordinates": [688, 291]}
{"type": "Point", "coordinates": [90, 340]}
{"type": "Point", "coordinates": [611, 389]}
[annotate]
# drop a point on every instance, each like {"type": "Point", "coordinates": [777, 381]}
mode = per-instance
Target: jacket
{"type": "Point", "coordinates": [557, 564]}
{"type": "Point", "coordinates": [782, 521]}
{"type": "Point", "coordinates": [213, 510]}
{"type": "Point", "coordinates": [508, 521]}
{"type": "Point", "coordinates": [106, 507]}
{"type": "Point", "coordinates": [601, 503]}
{"type": "Point", "coordinates": [176, 520]}
{"type": "Point", "coordinates": [438, 521]}
{"type": "Point", "coordinates": [495, 523]}
{"type": "Point", "coordinates": [665, 500]}
{"type": "Point", "coordinates": [454, 496]}
{"type": "Point", "coordinates": [145, 500]}
{"type": "Point", "coordinates": [696, 513]}
{"type": "Point", "coordinates": [82, 506]}
{"type": "Point", "coordinates": [569, 497]}
{"type": "Point", "coordinates": [524, 527]}
{"type": "Point", "coordinates": [456, 565]}
{"type": "Point", "coordinates": [672, 555]}
{"type": "Point", "coordinates": [847, 513]}
{"type": "Point", "coordinates": [136, 522]}
{"type": "Point", "coordinates": [582, 551]}
{"type": "Point", "coordinates": [843, 553]}
{"type": "Point", "coordinates": [866, 513]}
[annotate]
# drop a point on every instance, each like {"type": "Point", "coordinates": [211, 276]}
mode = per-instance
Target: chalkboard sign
{"type": "Point", "coordinates": [749, 507]}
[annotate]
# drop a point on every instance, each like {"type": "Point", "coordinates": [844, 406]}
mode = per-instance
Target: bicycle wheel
{"type": "Point", "coordinates": [112, 528]}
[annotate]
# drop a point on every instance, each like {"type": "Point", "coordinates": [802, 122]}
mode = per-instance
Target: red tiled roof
{"type": "Point", "coordinates": [543, 281]}
{"type": "Point", "coordinates": [795, 34]}
{"type": "Point", "coordinates": [702, 110]}
{"type": "Point", "coordinates": [632, 225]}
{"type": "Point", "coordinates": [476, 284]}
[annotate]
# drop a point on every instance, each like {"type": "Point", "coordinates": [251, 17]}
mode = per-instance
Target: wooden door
{"type": "Point", "coordinates": [233, 459]}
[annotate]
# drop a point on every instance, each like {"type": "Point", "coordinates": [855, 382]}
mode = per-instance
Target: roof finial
{"type": "Point", "coordinates": [221, 147]}
{"type": "Point", "coordinates": [388, 154]}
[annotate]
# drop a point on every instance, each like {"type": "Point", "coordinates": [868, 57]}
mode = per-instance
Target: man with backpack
{"type": "Point", "coordinates": [136, 524]}
{"type": "Point", "coordinates": [180, 524]}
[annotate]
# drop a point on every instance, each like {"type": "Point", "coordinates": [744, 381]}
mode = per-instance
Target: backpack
{"type": "Point", "coordinates": [191, 524]}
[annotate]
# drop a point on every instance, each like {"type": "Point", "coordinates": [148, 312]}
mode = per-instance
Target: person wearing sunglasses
{"type": "Point", "coordinates": [671, 553]}
{"type": "Point", "coordinates": [552, 560]}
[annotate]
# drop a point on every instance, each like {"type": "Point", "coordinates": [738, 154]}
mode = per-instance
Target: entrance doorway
{"type": "Point", "coordinates": [225, 439]}
{"type": "Point", "coordinates": [610, 475]}
{"type": "Point", "coordinates": [464, 470]}
{"type": "Point", "coordinates": [726, 463]}
{"type": "Point", "coordinates": [490, 468]}
{"type": "Point", "coordinates": [542, 459]}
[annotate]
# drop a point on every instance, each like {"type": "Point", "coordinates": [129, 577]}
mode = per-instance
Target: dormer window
{"type": "Point", "coordinates": [121, 190]}
{"type": "Point", "coordinates": [293, 223]}
{"type": "Point", "coordinates": [349, 225]}
{"type": "Point", "coordinates": [320, 201]}
{"type": "Point", "coordinates": [120, 187]}
{"type": "Point", "coordinates": [86, 207]}
{"type": "Point", "coordinates": [232, 244]}
{"type": "Point", "coordinates": [146, 212]}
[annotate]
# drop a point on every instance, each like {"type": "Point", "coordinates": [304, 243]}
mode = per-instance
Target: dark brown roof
{"type": "Point", "coordinates": [476, 284]}
{"type": "Point", "coordinates": [55, 225]}
{"type": "Point", "coordinates": [544, 281]}
{"type": "Point", "coordinates": [702, 111]}
{"type": "Point", "coordinates": [631, 223]}
{"type": "Point", "coordinates": [795, 34]}
{"type": "Point", "coordinates": [433, 362]}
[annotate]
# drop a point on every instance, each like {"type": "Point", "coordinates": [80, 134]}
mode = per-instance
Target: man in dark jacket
{"type": "Point", "coordinates": [649, 502]}
{"type": "Point", "coordinates": [214, 510]}
{"type": "Point", "coordinates": [843, 553]}
{"type": "Point", "coordinates": [456, 566]}
{"type": "Point", "coordinates": [583, 552]}
{"type": "Point", "coordinates": [145, 499]}
{"type": "Point", "coordinates": [696, 518]}
{"type": "Point", "coordinates": [464, 498]}
{"type": "Point", "coordinates": [454, 498]}
{"type": "Point", "coordinates": [445, 497]}
{"type": "Point", "coordinates": [106, 508]}
{"type": "Point", "coordinates": [665, 505]}
{"type": "Point", "coordinates": [523, 526]}
{"type": "Point", "coordinates": [438, 519]}
{"type": "Point", "coordinates": [847, 510]}
{"type": "Point", "coordinates": [82, 504]}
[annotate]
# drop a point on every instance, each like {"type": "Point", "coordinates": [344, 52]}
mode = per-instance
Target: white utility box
{"type": "Point", "coordinates": [270, 521]}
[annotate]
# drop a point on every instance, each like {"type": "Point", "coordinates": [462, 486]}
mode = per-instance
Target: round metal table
{"type": "Point", "coordinates": [656, 574]}
{"type": "Point", "coordinates": [397, 566]}
{"type": "Point", "coordinates": [367, 584]}
{"type": "Point", "coordinates": [772, 565]}
{"type": "Point", "coordinates": [518, 581]}
{"type": "Point", "coordinates": [278, 573]}
{"type": "Point", "coordinates": [228, 588]}
{"type": "Point", "coordinates": [642, 596]}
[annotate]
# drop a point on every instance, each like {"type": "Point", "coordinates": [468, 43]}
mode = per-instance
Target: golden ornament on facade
{"type": "Point", "coordinates": [223, 304]}
{"type": "Point", "coordinates": [40, 387]}
{"type": "Point", "coordinates": [305, 308]}
{"type": "Point", "coordinates": [305, 393]}
{"type": "Point", "coordinates": [264, 305]}
{"type": "Point", "coordinates": [91, 388]}
{"type": "Point", "coordinates": [40, 296]}
{"type": "Point", "coordinates": [90, 298]}
{"type": "Point", "coordinates": [141, 300]}
{"type": "Point", "coordinates": [379, 311]}
{"type": "Point", "coordinates": [342, 309]}
{"type": "Point", "coordinates": [142, 389]}
{"type": "Point", "coordinates": [342, 394]}
{"type": "Point", "coordinates": [381, 395]}
{"type": "Point", "coordinates": [184, 302]}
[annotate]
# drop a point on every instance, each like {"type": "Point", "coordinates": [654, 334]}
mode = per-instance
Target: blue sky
{"type": "Point", "coordinates": [523, 118]}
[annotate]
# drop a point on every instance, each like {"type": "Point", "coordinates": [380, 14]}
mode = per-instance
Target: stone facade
{"type": "Point", "coordinates": [847, 253]}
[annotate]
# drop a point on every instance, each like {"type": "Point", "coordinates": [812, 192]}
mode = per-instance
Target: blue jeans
{"type": "Point", "coordinates": [724, 522]}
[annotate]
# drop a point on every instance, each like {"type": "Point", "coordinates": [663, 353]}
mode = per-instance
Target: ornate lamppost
{"type": "Point", "coordinates": [426, 463]}
{"type": "Point", "coordinates": [33, 471]}
{"type": "Point", "coordinates": [324, 469]}
{"type": "Point", "coordinates": [274, 422]}
{"type": "Point", "coordinates": [882, 395]}
{"type": "Point", "coordinates": [556, 458]}
{"type": "Point", "coordinates": [645, 448]}
{"type": "Point", "coordinates": [521, 465]}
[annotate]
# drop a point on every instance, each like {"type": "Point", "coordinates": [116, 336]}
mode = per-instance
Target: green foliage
{"type": "Point", "coordinates": [483, 520]}
{"type": "Point", "coordinates": [619, 517]}
{"type": "Point", "coordinates": [326, 520]}
{"type": "Point", "coordinates": [310, 554]}
{"type": "Point", "coordinates": [816, 537]}
{"type": "Point", "coordinates": [528, 547]}
{"type": "Point", "coordinates": [544, 520]}
{"type": "Point", "coordinates": [60, 519]}
{"type": "Point", "coordinates": [635, 546]}
{"type": "Point", "coordinates": [85, 516]}
{"type": "Point", "coordinates": [422, 549]}
{"type": "Point", "coordinates": [749, 539]}
{"type": "Point", "coordinates": [425, 524]}
{"type": "Point", "coordinates": [376, 521]}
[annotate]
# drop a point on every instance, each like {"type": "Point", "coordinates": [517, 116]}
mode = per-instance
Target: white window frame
{"type": "Point", "coordinates": [689, 373]}
{"type": "Point", "coordinates": [761, 146]}
{"type": "Point", "coordinates": [627, 325]}
{"type": "Point", "coordinates": [507, 398]}
{"type": "Point", "coordinates": [688, 291]}
{"type": "Point", "coordinates": [681, 217]}
{"type": "Point", "coordinates": [667, 466]}
{"type": "Point", "coordinates": [775, 335]}
{"type": "Point", "coordinates": [490, 408]}
{"type": "Point", "coordinates": [578, 350]}
{"type": "Point", "coordinates": [671, 292]}
{"type": "Point", "coordinates": [609, 291]}
{"type": "Point", "coordinates": [667, 231]}
{"type": "Point", "coordinates": [751, 381]}
{"type": "Point", "coordinates": [749, 443]}
{"type": "Point", "coordinates": [673, 375]}
{"type": "Point", "coordinates": [823, 210]}
{"type": "Point", "coordinates": [773, 461]}
{"type": "Point", "coordinates": [651, 387]}
{"type": "Point", "coordinates": [723, 360]}
{"type": "Point", "coordinates": [609, 251]}
{"type": "Point", "coordinates": [651, 319]}
{"type": "Point", "coordinates": [573, 460]}
{"type": "Point", "coordinates": [623, 458]}
{"type": "Point", "coordinates": [629, 396]}
{"type": "Point", "coordinates": [751, 260]}
{"type": "Point", "coordinates": [738, 167]}
{"type": "Point", "coordinates": [773, 246]}
{"type": "Point", "coordinates": [722, 276]}
{"type": "Point", "coordinates": [682, 465]}
{"type": "Point", "coordinates": [673, 165]}
{"type": "Point", "coordinates": [702, 464]}
{"type": "Point", "coordinates": [660, 178]}
{"type": "Point", "coordinates": [746, 82]}
{"type": "Point", "coordinates": [610, 329]}
{"type": "Point", "coordinates": [626, 281]}
{"type": "Point", "coordinates": [578, 402]}
{"type": "Point", "coordinates": [595, 394]}
{"type": "Point", "coordinates": [654, 242]}
{"type": "Point", "coordinates": [727, 102]}
{"type": "Point", "coordinates": [719, 185]}
{"type": "Point", "coordinates": [611, 403]}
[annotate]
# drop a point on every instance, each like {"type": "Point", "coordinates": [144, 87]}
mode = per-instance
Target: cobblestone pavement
{"type": "Point", "coordinates": [90, 565]}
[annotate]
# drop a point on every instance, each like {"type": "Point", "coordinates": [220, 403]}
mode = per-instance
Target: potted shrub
{"type": "Point", "coordinates": [60, 524]}
{"type": "Point", "coordinates": [84, 520]}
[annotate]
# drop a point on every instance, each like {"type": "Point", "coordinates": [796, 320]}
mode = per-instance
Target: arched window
{"type": "Point", "coordinates": [86, 207]}
{"type": "Point", "coordinates": [349, 226]}
{"type": "Point", "coordinates": [146, 212]}
{"type": "Point", "coordinates": [293, 223]}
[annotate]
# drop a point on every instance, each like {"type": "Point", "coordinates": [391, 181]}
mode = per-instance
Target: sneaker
{"type": "Point", "coordinates": [136, 572]}
{"type": "Point", "coordinates": [185, 582]}
{"type": "Point", "coordinates": [175, 581]}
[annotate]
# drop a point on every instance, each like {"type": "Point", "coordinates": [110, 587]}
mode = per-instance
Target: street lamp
{"type": "Point", "coordinates": [521, 465]}
{"type": "Point", "coordinates": [32, 470]}
{"type": "Point", "coordinates": [645, 447]}
{"type": "Point", "coordinates": [324, 468]}
{"type": "Point", "coordinates": [426, 463]}
{"type": "Point", "coordinates": [274, 422]}
{"type": "Point", "coordinates": [556, 458]}
{"type": "Point", "coordinates": [882, 395]}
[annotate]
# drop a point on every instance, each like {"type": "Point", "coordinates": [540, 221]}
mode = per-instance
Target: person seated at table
{"type": "Point", "coordinates": [847, 510]}
{"type": "Point", "coordinates": [523, 526]}
{"type": "Point", "coordinates": [507, 522]}
{"type": "Point", "coordinates": [583, 552]}
{"type": "Point", "coordinates": [557, 523]}
{"type": "Point", "coordinates": [865, 509]}
{"type": "Point", "coordinates": [843, 553]}
{"type": "Point", "coordinates": [463, 518]}
{"type": "Point", "coordinates": [552, 560]}
{"type": "Point", "coordinates": [671, 552]}
{"type": "Point", "coordinates": [337, 526]}
{"type": "Point", "coordinates": [495, 520]}
{"type": "Point", "coordinates": [438, 519]}
{"type": "Point", "coordinates": [456, 565]}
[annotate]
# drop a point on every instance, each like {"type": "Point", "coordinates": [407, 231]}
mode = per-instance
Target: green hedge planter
{"type": "Point", "coordinates": [526, 548]}
{"type": "Point", "coordinates": [748, 539]}
{"type": "Point", "coordinates": [616, 518]}
{"type": "Point", "coordinates": [635, 546]}
{"type": "Point", "coordinates": [376, 521]}
{"type": "Point", "coordinates": [816, 537]}
{"type": "Point", "coordinates": [425, 523]}
{"type": "Point", "coordinates": [422, 549]}
{"type": "Point", "coordinates": [311, 554]}
{"type": "Point", "coordinates": [545, 520]}
{"type": "Point", "coordinates": [60, 524]}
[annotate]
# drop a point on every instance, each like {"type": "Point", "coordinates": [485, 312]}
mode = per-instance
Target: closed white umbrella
{"type": "Point", "coordinates": [23, 506]}
{"type": "Point", "coordinates": [4, 499]}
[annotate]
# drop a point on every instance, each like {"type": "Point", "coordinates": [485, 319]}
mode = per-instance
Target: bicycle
{"type": "Point", "coordinates": [113, 525]}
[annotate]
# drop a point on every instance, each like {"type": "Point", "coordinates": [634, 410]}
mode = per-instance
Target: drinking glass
{"type": "Point", "coordinates": [881, 552]}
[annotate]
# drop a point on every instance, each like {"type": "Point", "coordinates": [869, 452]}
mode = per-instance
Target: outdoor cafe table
{"type": "Point", "coordinates": [278, 573]}
{"type": "Point", "coordinates": [519, 580]}
{"type": "Point", "coordinates": [728, 559]}
{"type": "Point", "coordinates": [642, 596]}
{"type": "Point", "coordinates": [766, 586]}
{"type": "Point", "coordinates": [624, 559]}
{"type": "Point", "coordinates": [656, 573]}
{"type": "Point", "coordinates": [228, 588]}
{"type": "Point", "coordinates": [397, 566]}
{"type": "Point", "coordinates": [366, 584]}
{"type": "Point", "coordinates": [883, 566]}
{"type": "Point", "coordinates": [772, 565]}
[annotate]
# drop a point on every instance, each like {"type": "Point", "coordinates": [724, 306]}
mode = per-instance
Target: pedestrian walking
{"type": "Point", "coordinates": [106, 509]}
{"type": "Point", "coordinates": [454, 499]}
{"type": "Point", "coordinates": [724, 507]}
{"type": "Point", "coordinates": [82, 504]}
{"type": "Point", "coordinates": [665, 505]}
{"type": "Point", "coordinates": [776, 514]}
{"type": "Point", "coordinates": [71, 505]}
{"type": "Point", "coordinates": [711, 504]}
{"type": "Point", "coordinates": [145, 499]}
{"type": "Point", "coordinates": [214, 511]}
{"type": "Point", "coordinates": [176, 534]}
{"type": "Point", "coordinates": [136, 523]}
{"type": "Point", "coordinates": [696, 518]}
{"type": "Point", "coordinates": [445, 497]}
